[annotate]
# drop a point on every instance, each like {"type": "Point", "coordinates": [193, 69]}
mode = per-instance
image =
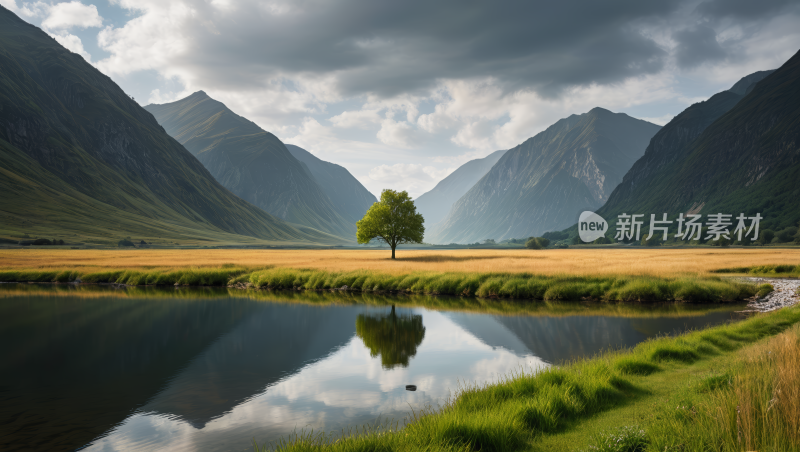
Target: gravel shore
{"type": "Point", "coordinates": [785, 294]}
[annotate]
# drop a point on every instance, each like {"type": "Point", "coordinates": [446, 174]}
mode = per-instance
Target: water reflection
{"type": "Point", "coordinates": [394, 338]}
{"type": "Point", "coordinates": [211, 370]}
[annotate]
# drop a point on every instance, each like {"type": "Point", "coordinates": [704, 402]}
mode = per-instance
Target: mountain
{"type": "Point", "coordinates": [349, 197]}
{"type": "Point", "coordinates": [737, 152]}
{"type": "Point", "coordinates": [435, 204]}
{"type": "Point", "coordinates": [545, 182]}
{"type": "Point", "coordinates": [83, 161]}
{"type": "Point", "coordinates": [252, 163]}
{"type": "Point", "coordinates": [671, 144]}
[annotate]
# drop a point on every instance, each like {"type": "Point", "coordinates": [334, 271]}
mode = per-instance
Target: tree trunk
{"type": "Point", "coordinates": [393, 252]}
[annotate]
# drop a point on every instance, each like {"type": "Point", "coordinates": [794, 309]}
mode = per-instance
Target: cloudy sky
{"type": "Point", "coordinates": [402, 93]}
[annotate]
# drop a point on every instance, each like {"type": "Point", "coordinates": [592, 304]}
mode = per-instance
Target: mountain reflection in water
{"type": "Point", "coordinates": [118, 372]}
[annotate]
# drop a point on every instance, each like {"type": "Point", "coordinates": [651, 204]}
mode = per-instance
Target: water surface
{"type": "Point", "coordinates": [108, 369]}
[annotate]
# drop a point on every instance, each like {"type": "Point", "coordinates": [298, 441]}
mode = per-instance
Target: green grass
{"type": "Point", "coordinates": [781, 271]}
{"type": "Point", "coordinates": [582, 404]}
{"type": "Point", "coordinates": [516, 285]}
{"type": "Point", "coordinates": [481, 285]}
{"type": "Point", "coordinates": [183, 277]}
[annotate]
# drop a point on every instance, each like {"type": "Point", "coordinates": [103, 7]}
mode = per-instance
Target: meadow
{"type": "Point", "coordinates": [550, 275]}
{"type": "Point", "coordinates": [575, 262]}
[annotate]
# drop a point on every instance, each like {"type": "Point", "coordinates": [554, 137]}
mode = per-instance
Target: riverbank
{"type": "Point", "coordinates": [786, 293]}
{"type": "Point", "coordinates": [625, 288]}
{"type": "Point", "coordinates": [731, 388]}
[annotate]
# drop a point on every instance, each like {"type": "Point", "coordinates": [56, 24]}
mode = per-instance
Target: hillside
{"type": "Point", "coordinates": [734, 153]}
{"type": "Point", "coordinates": [349, 197]}
{"type": "Point", "coordinates": [544, 183]}
{"type": "Point", "coordinates": [435, 204]}
{"type": "Point", "coordinates": [83, 161]}
{"type": "Point", "coordinates": [252, 163]}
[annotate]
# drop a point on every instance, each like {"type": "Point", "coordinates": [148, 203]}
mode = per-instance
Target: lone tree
{"type": "Point", "coordinates": [393, 220]}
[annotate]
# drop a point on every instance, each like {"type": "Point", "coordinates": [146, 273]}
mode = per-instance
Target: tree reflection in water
{"type": "Point", "coordinates": [394, 337]}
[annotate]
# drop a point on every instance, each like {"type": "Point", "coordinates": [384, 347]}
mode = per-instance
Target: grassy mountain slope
{"type": "Point", "coordinates": [436, 203]}
{"type": "Point", "coordinates": [746, 160]}
{"type": "Point", "coordinates": [80, 158]}
{"type": "Point", "coordinates": [250, 162]}
{"type": "Point", "coordinates": [544, 183]}
{"type": "Point", "coordinates": [349, 197]}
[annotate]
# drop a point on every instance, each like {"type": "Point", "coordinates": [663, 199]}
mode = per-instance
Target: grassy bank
{"type": "Point", "coordinates": [775, 271]}
{"type": "Point", "coordinates": [482, 285]}
{"type": "Point", "coordinates": [707, 390]}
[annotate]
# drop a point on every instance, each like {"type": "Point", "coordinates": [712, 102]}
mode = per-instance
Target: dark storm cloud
{"type": "Point", "coordinates": [745, 9]}
{"type": "Point", "coordinates": [697, 46]}
{"type": "Point", "coordinates": [389, 47]}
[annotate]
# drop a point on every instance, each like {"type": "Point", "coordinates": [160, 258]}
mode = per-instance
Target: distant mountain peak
{"type": "Point", "coordinates": [544, 182]}
{"type": "Point", "coordinates": [744, 84]}
{"type": "Point", "coordinates": [600, 110]}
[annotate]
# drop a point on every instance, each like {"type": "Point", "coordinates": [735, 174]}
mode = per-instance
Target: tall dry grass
{"type": "Point", "coordinates": [577, 262]}
{"type": "Point", "coordinates": [754, 407]}
{"type": "Point", "coordinates": [767, 393]}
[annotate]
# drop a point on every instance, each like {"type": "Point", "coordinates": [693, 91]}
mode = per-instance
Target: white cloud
{"type": "Point", "coordinates": [72, 43]}
{"type": "Point", "coordinates": [157, 97]}
{"type": "Point", "coordinates": [63, 16]}
{"type": "Point", "coordinates": [398, 133]}
{"type": "Point", "coordinates": [11, 5]}
{"type": "Point", "coordinates": [28, 10]}
{"type": "Point", "coordinates": [412, 177]}
{"type": "Point", "coordinates": [660, 120]}
{"type": "Point", "coordinates": [258, 59]}
{"type": "Point", "coordinates": [362, 119]}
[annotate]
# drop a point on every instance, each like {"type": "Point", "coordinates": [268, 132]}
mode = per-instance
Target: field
{"type": "Point", "coordinates": [574, 262]}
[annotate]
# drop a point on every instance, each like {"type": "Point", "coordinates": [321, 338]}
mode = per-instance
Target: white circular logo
{"type": "Point", "coordinates": [591, 226]}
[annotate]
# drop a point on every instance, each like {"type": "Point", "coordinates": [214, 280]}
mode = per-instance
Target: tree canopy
{"type": "Point", "coordinates": [393, 220]}
{"type": "Point", "coordinates": [537, 243]}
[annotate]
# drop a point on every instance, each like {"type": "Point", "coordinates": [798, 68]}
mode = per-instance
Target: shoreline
{"type": "Point", "coordinates": [482, 285]}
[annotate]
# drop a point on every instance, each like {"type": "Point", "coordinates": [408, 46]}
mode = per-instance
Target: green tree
{"type": "Point", "coordinates": [653, 241]}
{"type": "Point", "coordinates": [533, 244]}
{"type": "Point", "coordinates": [393, 337]}
{"type": "Point", "coordinates": [393, 220]}
{"type": "Point", "coordinates": [537, 243]}
{"type": "Point", "coordinates": [766, 236]}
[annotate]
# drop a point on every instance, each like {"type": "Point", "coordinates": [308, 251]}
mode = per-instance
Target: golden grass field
{"type": "Point", "coordinates": [584, 262]}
